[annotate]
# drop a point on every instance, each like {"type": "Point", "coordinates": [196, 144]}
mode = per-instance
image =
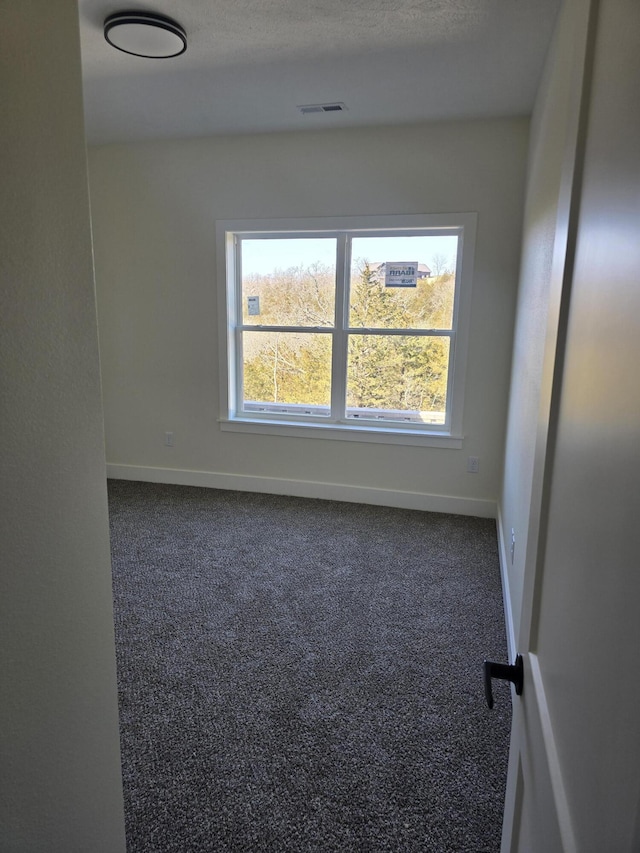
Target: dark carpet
{"type": "Point", "coordinates": [305, 675]}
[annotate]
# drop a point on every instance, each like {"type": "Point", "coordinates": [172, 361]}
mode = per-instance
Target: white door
{"type": "Point", "coordinates": [574, 770]}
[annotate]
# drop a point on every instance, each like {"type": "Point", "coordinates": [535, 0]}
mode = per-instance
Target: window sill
{"type": "Point", "coordinates": [343, 432]}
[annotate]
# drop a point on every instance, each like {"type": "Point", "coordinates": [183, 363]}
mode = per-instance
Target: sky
{"type": "Point", "coordinates": [266, 255]}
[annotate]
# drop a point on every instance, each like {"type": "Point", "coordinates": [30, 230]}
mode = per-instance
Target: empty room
{"type": "Point", "coordinates": [320, 406]}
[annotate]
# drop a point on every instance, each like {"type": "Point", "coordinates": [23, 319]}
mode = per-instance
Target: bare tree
{"type": "Point", "coordinates": [439, 264]}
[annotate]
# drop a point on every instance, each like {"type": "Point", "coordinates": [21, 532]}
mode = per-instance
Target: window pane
{"type": "Point", "coordinates": [287, 372]}
{"type": "Point", "coordinates": [288, 282]}
{"type": "Point", "coordinates": [379, 294]}
{"type": "Point", "coordinates": [397, 377]}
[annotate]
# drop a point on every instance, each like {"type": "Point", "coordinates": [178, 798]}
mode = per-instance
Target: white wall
{"type": "Point", "coordinates": [549, 184]}
{"type": "Point", "coordinates": [589, 629]}
{"type": "Point", "coordinates": [60, 781]}
{"type": "Point", "coordinates": [154, 211]}
{"type": "Point", "coordinates": [583, 546]}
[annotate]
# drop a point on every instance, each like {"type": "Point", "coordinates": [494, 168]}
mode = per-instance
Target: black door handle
{"type": "Point", "coordinates": [504, 671]}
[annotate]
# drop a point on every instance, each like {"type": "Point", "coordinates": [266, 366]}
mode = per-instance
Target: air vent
{"type": "Point", "coordinates": [306, 109]}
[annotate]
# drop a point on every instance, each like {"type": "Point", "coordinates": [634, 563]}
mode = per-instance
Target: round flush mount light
{"type": "Point", "coordinates": [145, 34]}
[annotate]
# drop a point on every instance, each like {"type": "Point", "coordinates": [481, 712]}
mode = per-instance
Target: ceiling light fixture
{"type": "Point", "coordinates": [145, 34]}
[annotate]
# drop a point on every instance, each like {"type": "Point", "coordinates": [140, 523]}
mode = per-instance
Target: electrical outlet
{"type": "Point", "coordinates": [168, 439]}
{"type": "Point", "coordinates": [473, 464]}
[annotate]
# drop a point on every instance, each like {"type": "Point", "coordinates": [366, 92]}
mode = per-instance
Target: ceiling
{"type": "Point", "coordinates": [251, 63]}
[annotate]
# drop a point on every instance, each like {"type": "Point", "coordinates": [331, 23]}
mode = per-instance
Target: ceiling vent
{"type": "Point", "coordinates": [307, 109]}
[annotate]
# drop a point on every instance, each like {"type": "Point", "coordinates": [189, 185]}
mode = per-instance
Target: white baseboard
{"type": "Point", "coordinates": [506, 593]}
{"type": "Point", "coordinates": [306, 489]}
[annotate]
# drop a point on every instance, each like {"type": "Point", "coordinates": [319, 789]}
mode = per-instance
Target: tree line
{"type": "Point", "coordinates": [407, 373]}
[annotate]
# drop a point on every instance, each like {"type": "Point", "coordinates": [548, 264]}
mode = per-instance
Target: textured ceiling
{"type": "Point", "coordinates": [251, 62]}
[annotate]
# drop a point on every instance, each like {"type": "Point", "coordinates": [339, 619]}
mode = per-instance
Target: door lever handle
{"type": "Point", "coordinates": [505, 672]}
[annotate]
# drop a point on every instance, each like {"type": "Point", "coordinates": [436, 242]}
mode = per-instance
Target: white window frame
{"type": "Point", "coordinates": [449, 435]}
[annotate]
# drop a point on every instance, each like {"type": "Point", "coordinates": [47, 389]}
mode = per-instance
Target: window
{"type": "Point", "coordinates": [354, 327]}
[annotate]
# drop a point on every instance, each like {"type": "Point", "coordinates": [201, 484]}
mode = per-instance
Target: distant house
{"type": "Point", "coordinates": [378, 268]}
